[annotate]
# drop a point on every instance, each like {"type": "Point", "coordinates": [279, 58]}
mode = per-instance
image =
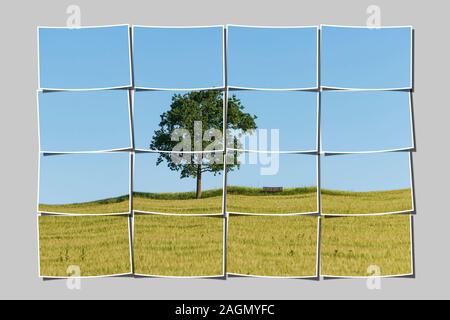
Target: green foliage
{"type": "Point", "coordinates": [218, 193]}
{"type": "Point", "coordinates": [185, 110]}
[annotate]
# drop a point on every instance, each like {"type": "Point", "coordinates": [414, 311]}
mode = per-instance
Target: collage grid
{"type": "Point", "coordinates": [226, 216]}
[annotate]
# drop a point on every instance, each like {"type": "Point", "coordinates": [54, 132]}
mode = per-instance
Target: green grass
{"type": "Point", "coordinates": [110, 205]}
{"type": "Point", "coordinates": [273, 246]}
{"type": "Point", "coordinates": [239, 199]}
{"type": "Point", "coordinates": [248, 200]}
{"type": "Point", "coordinates": [98, 245]}
{"type": "Point", "coordinates": [178, 246]}
{"type": "Point", "coordinates": [254, 200]}
{"type": "Point", "coordinates": [211, 202]}
{"type": "Point", "coordinates": [349, 245]}
{"type": "Point", "coordinates": [294, 200]}
{"type": "Point", "coordinates": [345, 202]}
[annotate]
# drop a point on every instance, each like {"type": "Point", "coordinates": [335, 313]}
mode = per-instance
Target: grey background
{"type": "Point", "coordinates": [19, 160]}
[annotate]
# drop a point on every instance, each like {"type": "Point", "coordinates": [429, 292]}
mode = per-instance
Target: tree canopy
{"type": "Point", "coordinates": [197, 118]}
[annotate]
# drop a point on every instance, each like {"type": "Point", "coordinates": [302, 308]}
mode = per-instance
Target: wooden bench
{"type": "Point", "coordinates": [272, 189]}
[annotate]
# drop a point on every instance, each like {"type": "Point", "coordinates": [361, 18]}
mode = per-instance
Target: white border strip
{"type": "Point", "coordinates": [344, 89]}
{"type": "Point", "coordinates": [404, 212]}
{"type": "Point", "coordinates": [178, 277]}
{"type": "Point", "coordinates": [178, 152]}
{"type": "Point", "coordinates": [271, 27]}
{"type": "Point", "coordinates": [50, 153]}
{"type": "Point", "coordinates": [53, 214]}
{"type": "Point", "coordinates": [238, 88]}
{"type": "Point", "coordinates": [272, 277]}
{"type": "Point", "coordinates": [366, 27]}
{"type": "Point", "coordinates": [131, 182]}
{"type": "Point", "coordinates": [220, 88]}
{"type": "Point", "coordinates": [178, 27]}
{"type": "Point", "coordinates": [412, 124]}
{"type": "Point", "coordinates": [337, 153]}
{"type": "Point", "coordinates": [312, 213]}
{"type": "Point", "coordinates": [304, 152]}
{"type": "Point", "coordinates": [141, 212]}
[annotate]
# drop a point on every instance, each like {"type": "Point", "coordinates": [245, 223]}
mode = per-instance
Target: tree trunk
{"type": "Point", "coordinates": [199, 181]}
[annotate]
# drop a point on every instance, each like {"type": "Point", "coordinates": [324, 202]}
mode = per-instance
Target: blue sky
{"type": "Point", "coordinates": [84, 121]}
{"type": "Point", "coordinates": [84, 58]}
{"type": "Point", "coordinates": [272, 58]}
{"type": "Point", "coordinates": [293, 171]}
{"type": "Point", "coordinates": [148, 177]}
{"type": "Point", "coordinates": [178, 58]}
{"type": "Point", "coordinates": [193, 58]}
{"type": "Point", "coordinates": [365, 121]}
{"type": "Point", "coordinates": [294, 114]}
{"type": "Point", "coordinates": [83, 177]}
{"type": "Point", "coordinates": [366, 172]}
{"type": "Point", "coordinates": [366, 58]}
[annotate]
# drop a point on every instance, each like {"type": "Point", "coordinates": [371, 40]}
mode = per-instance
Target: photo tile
{"type": "Point", "coordinates": [272, 57]}
{"type": "Point", "coordinates": [87, 246]}
{"type": "Point", "coordinates": [178, 184]}
{"type": "Point", "coordinates": [366, 58]}
{"type": "Point", "coordinates": [366, 121]}
{"type": "Point", "coordinates": [355, 184]}
{"type": "Point", "coordinates": [85, 183]}
{"type": "Point", "coordinates": [179, 121]}
{"type": "Point", "coordinates": [270, 246]}
{"type": "Point", "coordinates": [366, 246]}
{"type": "Point", "coordinates": [84, 58]}
{"type": "Point", "coordinates": [178, 246]}
{"type": "Point", "coordinates": [86, 121]}
{"type": "Point", "coordinates": [272, 183]}
{"type": "Point", "coordinates": [178, 58]}
{"type": "Point", "coordinates": [276, 120]}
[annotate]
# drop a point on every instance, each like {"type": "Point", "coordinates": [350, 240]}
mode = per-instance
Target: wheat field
{"type": "Point", "coordinates": [98, 245]}
{"type": "Point", "coordinates": [283, 246]}
{"type": "Point", "coordinates": [273, 246]}
{"type": "Point", "coordinates": [350, 245]}
{"type": "Point", "coordinates": [178, 246]}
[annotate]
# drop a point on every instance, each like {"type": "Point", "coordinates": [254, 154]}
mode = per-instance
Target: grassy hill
{"type": "Point", "coordinates": [110, 205]}
{"type": "Point", "coordinates": [249, 200]}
